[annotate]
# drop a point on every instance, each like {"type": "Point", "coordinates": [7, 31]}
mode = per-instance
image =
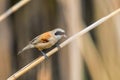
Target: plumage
{"type": "Point", "coordinates": [41, 38]}
{"type": "Point", "coordinates": [45, 40]}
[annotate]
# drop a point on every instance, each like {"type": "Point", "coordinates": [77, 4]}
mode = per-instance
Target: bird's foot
{"type": "Point", "coordinates": [58, 46]}
{"type": "Point", "coordinates": [46, 57]}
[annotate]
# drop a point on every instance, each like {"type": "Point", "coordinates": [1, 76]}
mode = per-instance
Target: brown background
{"type": "Point", "coordinates": [95, 56]}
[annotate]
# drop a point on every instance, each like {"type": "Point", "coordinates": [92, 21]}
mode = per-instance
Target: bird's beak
{"type": "Point", "coordinates": [64, 36]}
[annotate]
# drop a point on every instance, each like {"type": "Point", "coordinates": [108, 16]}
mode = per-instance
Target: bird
{"type": "Point", "coordinates": [45, 41]}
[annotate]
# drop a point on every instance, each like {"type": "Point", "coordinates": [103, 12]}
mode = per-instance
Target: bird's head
{"type": "Point", "coordinates": [58, 33]}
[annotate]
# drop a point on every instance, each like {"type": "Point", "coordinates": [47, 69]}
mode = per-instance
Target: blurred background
{"type": "Point", "coordinates": [94, 56]}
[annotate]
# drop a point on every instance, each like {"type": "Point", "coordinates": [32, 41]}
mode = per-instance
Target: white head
{"type": "Point", "coordinates": [59, 33]}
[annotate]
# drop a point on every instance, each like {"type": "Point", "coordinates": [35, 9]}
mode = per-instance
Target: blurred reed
{"type": "Point", "coordinates": [99, 51]}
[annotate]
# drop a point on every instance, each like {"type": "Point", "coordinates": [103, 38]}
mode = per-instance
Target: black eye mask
{"type": "Point", "coordinates": [59, 33]}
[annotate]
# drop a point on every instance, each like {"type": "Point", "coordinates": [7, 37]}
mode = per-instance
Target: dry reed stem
{"type": "Point", "coordinates": [13, 9]}
{"type": "Point", "coordinates": [40, 59]}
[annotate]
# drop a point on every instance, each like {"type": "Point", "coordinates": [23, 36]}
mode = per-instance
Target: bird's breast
{"type": "Point", "coordinates": [46, 45]}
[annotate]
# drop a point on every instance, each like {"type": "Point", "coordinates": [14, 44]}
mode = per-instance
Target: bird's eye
{"type": "Point", "coordinates": [59, 33]}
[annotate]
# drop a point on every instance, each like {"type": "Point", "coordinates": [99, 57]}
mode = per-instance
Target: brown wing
{"type": "Point", "coordinates": [43, 38]}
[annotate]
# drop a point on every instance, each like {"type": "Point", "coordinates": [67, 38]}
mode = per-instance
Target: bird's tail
{"type": "Point", "coordinates": [29, 46]}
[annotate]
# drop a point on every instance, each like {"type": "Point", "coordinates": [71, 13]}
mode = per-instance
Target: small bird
{"type": "Point", "coordinates": [45, 40]}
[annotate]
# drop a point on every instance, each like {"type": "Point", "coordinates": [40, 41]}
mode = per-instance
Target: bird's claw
{"type": "Point", "coordinates": [46, 57]}
{"type": "Point", "coordinates": [58, 46]}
